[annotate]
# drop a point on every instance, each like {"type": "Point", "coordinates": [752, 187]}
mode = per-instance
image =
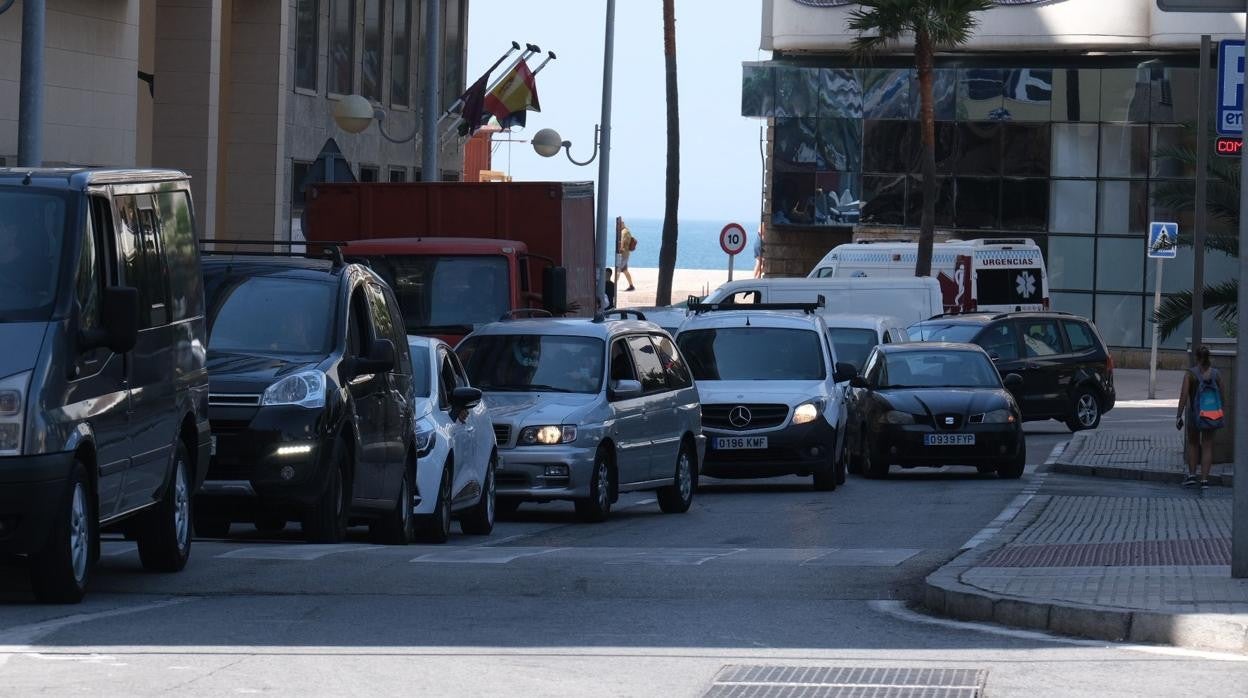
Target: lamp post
{"type": "Point", "coordinates": [548, 143]}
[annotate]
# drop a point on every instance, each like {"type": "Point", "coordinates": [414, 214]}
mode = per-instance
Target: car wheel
{"type": "Point", "coordinates": [853, 461]}
{"type": "Point", "coordinates": [271, 523]}
{"type": "Point", "coordinates": [479, 520]}
{"type": "Point", "coordinates": [398, 526]}
{"type": "Point", "coordinates": [59, 573]}
{"type": "Point", "coordinates": [327, 521]}
{"type": "Point", "coordinates": [211, 525]}
{"type": "Point", "coordinates": [825, 478]}
{"type": "Point", "coordinates": [842, 464]}
{"type": "Point", "coordinates": [677, 497]}
{"type": "Point", "coordinates": [1086, 411]}
{"type": "Point", "coordinates": [597, 507]}
{"type": "Point", "coordinates": [1015, 467]}
{"type": "Point", "coordinates": [872, 465]}
{"type": "Point", "coordinates": [165, 531]}
{"type": "Point", "coordinates": [436, 527]}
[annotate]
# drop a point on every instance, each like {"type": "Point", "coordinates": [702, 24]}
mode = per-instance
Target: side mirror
{"type": "Point", "coordinates": [555, 290]}
{"type": "Point", "coordinates": [119, 315]}
{"type": "Point", "coordinates": [1013, 381]}
{"type": "Point", "coordinates": [624, 390]}
{"type": "Point", "coordinates": [380, 358]}
{"type": "Point", "coordinates": [465, 399]}
{"type": "Point", "coordinates": [845, 371]}
{"type": "Point", "coordinates": [858, 382]}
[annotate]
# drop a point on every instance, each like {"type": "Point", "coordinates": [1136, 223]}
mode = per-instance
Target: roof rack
{"type": "Point", "coordinates": [520, 313]}
{"type": "Point", "coordinates": [623, 314]}
{"type": "Point", "coordinates": [333, 250]}
{"type": "Point", "coordinates": [698, 307]}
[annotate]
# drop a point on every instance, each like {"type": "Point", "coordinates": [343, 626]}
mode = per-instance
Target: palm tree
{"type": "Point", "coordinates": [1222, 199]}
{"type": "Point", "coordinates": [667, 252]}
{"type": "Point", "coordinates": [935, 24]}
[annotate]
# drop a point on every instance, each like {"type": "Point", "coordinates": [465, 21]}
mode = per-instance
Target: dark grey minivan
{"type": "Point", "coordinates": [103, 384]}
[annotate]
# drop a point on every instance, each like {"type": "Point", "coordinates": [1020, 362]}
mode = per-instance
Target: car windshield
{"type": "Point", "coordinates": [270, 315]}
{"type": "Point", "coordinates": [753, 353]}
{"type": "Point", "coordinates": [852, 345]}
{"type": "Point", "coordinates": [420, 370]}
{"type": "Point", "coordinates": [939, 369]}
{"type": "Point", "coordinates": [943, 332]}
{"type": "Point", "coordinates": [445, 293]}
{"type": "Point", "coordinates": [32, 228]}
{"type": "Point", "coordinates": [533, 363]}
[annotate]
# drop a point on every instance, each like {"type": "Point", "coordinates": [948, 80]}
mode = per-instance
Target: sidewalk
{"type": "Point", "coordinates": [1137, 569]}
{"type": "Point", "coordinates": [1132, 455]}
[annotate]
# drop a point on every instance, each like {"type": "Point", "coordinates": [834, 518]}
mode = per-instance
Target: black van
{"type": "Point", "coordinates": [311, 400]}
{"type": "Point", "coordinates": [103, 383]}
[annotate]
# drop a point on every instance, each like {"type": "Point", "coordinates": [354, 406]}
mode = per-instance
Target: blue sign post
{"type": "Point", "coordinates": [1231, 87]}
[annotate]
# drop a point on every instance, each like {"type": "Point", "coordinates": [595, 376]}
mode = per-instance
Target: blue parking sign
{"type": "Point", "coordinates": [1231, 87]}
{"type": "Point", "coordinates": [1163, 240]}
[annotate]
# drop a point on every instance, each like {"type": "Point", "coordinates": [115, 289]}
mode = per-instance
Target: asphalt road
{"type": "Point", "coordinates": [757, 573]}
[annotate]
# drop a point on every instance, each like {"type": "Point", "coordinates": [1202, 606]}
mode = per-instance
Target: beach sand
{"type": "Point", "coordinates": [685, 283]}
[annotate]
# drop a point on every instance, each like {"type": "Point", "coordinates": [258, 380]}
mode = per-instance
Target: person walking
{"type": "Point", "coordinates": [628, 243]}
{"type": "Point", "coordinates": [1200, 409]}
{"type": "Point", "coordinates": [758, 252]}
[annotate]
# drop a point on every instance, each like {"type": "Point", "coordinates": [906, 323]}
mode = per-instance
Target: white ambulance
{"type": "Point", "coordinates": [995, 274]}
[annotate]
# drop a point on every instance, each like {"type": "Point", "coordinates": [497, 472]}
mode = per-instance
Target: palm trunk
{"type": "Point", "coordinates": [667, 253]}
{"type": "Point", "coordinates": [924, 59]}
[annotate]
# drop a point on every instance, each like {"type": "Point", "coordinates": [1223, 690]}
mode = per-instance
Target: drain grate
{"type": "Point", "coordinates": [742, 681]}
{"type": "Point", "coordinates": [1144, 553]}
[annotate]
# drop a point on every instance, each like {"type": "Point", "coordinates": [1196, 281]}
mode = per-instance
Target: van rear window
{"type": "Point", "coordinates": [1017, 286]}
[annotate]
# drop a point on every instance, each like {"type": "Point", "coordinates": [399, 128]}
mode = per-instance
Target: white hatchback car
{"type": "Point", "coordinates": [456, 454]}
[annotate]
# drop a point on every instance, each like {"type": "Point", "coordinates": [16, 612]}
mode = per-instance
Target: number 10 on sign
{"type": "Point", "coordinates": [732, 240]}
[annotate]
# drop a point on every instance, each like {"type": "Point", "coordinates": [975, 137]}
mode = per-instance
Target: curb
{"type": "Point", "coordinates": [1120, 473]}
{"type": "Point", "coordinates": [946, 595]}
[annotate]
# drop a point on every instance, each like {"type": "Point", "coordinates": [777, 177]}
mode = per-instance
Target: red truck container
{"type": "Point", "coordinates": [460, 254]}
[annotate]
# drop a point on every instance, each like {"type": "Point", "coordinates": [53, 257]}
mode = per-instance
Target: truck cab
{"type": "Point", "coordinates": [448, 286]}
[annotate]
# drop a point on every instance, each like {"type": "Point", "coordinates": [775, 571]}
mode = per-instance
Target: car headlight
{"type": "Point", "coordinates": [547, 435]}
{"type": "Point", "coordinates": [805, 413]}
{"type": "Point", "coordinates": [426, 437]}
{"type": "Point", "coordinates": [999, 417]}
{"type": "Point", "coordinates": [305, 389]}
{"type": "Point", "coordinates": [12, 412]}
{"type": "Point", "coordinates": [898, 417]}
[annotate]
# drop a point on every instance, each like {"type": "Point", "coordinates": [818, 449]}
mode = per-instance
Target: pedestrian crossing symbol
{"type": "Point", "coordinates": [1163, 240]}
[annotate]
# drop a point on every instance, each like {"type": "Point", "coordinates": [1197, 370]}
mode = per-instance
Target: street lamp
{"type": "Point", "coordinates": [354, 113]}
{"type": "Point", "coordinates": [548, 143]}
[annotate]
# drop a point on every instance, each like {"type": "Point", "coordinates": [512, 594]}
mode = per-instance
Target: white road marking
{"type": "Point", "coordinates": [18, 640]}
{"type": "Point", "coordinates": [299, 551]}
{"type": "Point", "coordinates": [1007, 515]}
{"type": "Point", "coordinates": [898, 610]}
{"type": "Point", "coordinates": [482, 556]}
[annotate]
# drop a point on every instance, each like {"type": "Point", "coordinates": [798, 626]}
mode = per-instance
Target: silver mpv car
{"type": "Point", "coordinates": [587, 409]}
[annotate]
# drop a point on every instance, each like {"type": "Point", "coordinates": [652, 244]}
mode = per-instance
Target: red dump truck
{"type": "Point", "coordinates": [462, 254]}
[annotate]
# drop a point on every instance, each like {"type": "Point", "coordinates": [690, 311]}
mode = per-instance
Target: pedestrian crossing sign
{"type": "Point", "coordinates": [1163, 240]}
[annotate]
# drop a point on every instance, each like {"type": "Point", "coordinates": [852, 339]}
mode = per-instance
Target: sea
{"type": "Point", "coordinates": [697, 247]}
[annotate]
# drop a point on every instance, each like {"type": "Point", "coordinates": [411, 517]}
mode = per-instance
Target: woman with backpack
{"type": "Point", "coordinates": [1200, 407]}
{"type": "Point", "coordinates": [628, 243]}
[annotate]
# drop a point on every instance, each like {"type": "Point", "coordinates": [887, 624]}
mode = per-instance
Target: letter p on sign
{"type": "Point", "coordinates": [1231, 88]}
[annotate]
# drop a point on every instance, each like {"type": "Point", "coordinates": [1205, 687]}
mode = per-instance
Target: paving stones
{"type": "Point", "coordinates": [1133, 455]}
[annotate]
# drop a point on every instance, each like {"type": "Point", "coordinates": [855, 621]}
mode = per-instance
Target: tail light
{"type": "Point", "coordinates": [1109, 363]}
{"type": "Point", "coordinates": [1045, 302]}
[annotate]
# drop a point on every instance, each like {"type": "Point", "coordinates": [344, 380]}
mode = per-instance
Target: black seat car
{"type": "Point", "coordinates": [310, 403]}
{"type": "Point", "coordinates": [933, 404]}
{"type": "Point", "coordinates": [1068, 373]}
{"type": "Point", "coordinates": [103, 387]}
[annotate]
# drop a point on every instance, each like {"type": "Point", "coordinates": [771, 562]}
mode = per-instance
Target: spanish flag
{"type": "Point", "coordinates": [513, 96]}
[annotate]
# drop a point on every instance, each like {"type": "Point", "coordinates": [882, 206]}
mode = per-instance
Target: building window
{"type": "Point", "coordinates": [298, 173]}
{"type": "Point", "coordinates": [368, 173]}
{"type": "Point", "coordinates": [342, 47]}
{"type": "Point", "coordinates": [374, 31]}
{"type": "Point", "coordinates": [307, 41]}
{"type": "Point", "coordinates": [398, 174]}
{"type": "Point", "coordinates": [401, 54]}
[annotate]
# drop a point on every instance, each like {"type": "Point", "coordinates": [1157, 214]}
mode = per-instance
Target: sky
{"type": "Point", "coordinates": [721, 166]}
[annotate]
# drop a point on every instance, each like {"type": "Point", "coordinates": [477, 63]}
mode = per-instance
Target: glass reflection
{"type": "Point", "coordinates": [980, 145]}
{"type": "Point", "coordinates": [1123, 208]}
{"type": "Point", "coordinates": [1026, 149]}
{"type": "Point", "coordinates": [1072, 206]}
{"type": "Point", "coordinates": [884, 199]}
{"type": "Point", "coordinates": [1025, 204]}
{"type": "Point", "coordinates": [886, 93]}
{"type": "Point", "coordinates": [1124, 95]}
{"type": "Point", "coordinates": [840, 145]}
{"type": "Point", "coordinates": [795, 144]}
{"type": "Point", "coordinates": [795, 91]}
{"type": "Point", "coordinates": [1028, 94]}
{"type": "Point", "coordinates": [843, 193]}
{"type": "Point", "coordinates": [944, 95]}
{"type": "Point", "coordinates": [889, 146]}
{"type": "Point", "coordinates": [840, 93]}
{"type": "Point", "coordinates": [980, 94]}
{"type": "Point", "coordinates": [945, 201]}
{"type": "Point", "coordinates": [979, 203]}
{"type": "Point", "coordinates": [758, 91]}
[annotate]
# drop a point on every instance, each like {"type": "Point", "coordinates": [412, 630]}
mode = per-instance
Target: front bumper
{"type": "Point", "coordinates": [521, 472]}
{"type": "Point", "coordinates": [903, 445]}
{"type": "Point", "coordinates": [799, 449]}
{"type": "Point", "coordinates": [247, 464]}
{"type": "Point", "coordinates": [32, 493]}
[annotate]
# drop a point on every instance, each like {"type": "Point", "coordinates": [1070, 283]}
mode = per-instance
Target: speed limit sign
{"type": "Point", "coordinates": [732, 239]}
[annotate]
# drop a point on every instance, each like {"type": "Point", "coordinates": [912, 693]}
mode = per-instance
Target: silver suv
{"type": "Point", "coordinates": [587, 409]}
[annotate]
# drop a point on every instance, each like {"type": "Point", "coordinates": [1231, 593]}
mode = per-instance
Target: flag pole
{"type": "Point", "coordinates": [528, 53]}
{"type": "Point", "coordinates": [459, 101]}
{"type": "Point", "coordinates": [550, 56]}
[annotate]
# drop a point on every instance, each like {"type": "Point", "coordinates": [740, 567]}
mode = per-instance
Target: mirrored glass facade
{"type": "Point", "coordinates": [1079, 159]}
